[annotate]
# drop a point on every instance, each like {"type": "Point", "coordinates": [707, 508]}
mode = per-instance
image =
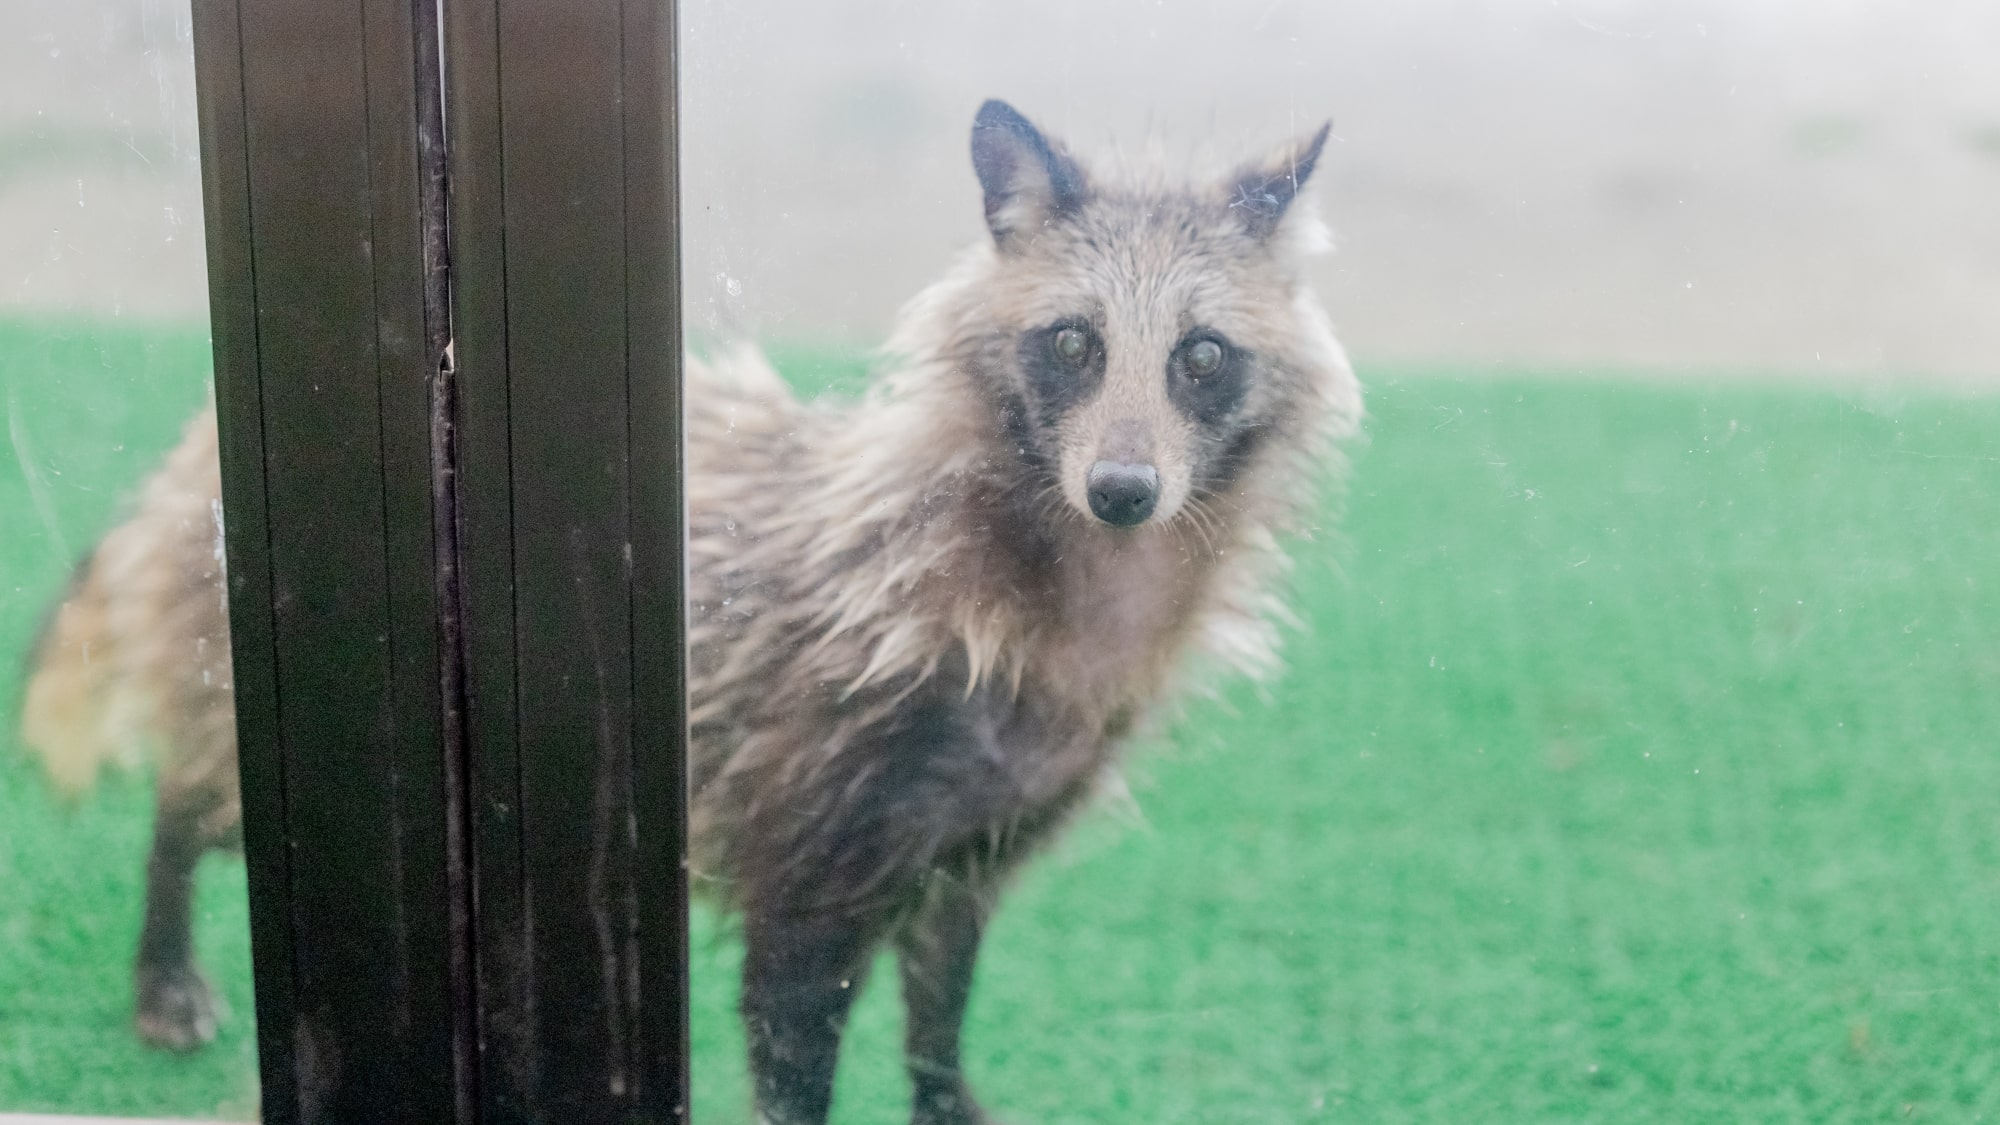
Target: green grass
{"type": "Point", "coordinates": [1639, 761]}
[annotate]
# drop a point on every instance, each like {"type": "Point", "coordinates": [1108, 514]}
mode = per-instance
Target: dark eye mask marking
{"type": "Point", "coordinates": [1206, 387]}
{"type": "Point", "coordinates": [1058, 376]}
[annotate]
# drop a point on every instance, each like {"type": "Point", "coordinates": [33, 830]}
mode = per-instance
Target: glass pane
{"type": "Point", "coordinates": [1631, 757]}
{"type": "Point", "coordinates": [122, 702]}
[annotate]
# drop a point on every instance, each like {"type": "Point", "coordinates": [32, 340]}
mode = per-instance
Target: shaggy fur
{"type": "Point", "coordinates": [915, 647]}
{"type": "Point", "coordinates": [917, 638]}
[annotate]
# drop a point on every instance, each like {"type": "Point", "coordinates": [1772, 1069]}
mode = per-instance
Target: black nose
{"type": "Point", "coordinates": [1122, 495]}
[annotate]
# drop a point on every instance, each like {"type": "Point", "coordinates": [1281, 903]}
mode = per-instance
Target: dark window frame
{"type": "Point", "coordinates": [448, 379]}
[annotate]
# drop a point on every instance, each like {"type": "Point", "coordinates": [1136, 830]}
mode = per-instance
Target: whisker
{"type": "Point", "coordinates": [1203, 523]}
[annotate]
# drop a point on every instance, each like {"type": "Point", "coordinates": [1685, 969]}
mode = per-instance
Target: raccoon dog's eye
{"type": "Point", "coordinates": [1072, 345]}
{"type": "Point", "coordinates": [1204, 358]}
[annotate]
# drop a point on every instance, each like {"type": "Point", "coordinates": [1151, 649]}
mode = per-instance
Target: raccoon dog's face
{"type": "Point", "coordinates": [1146, 341]}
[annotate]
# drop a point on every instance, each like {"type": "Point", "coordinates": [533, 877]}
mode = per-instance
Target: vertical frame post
{"type": "Point", "coordinates": [319, 138]}
{"type": "Point", "coordinates": [566, 311]}
{"type": "Point", "coordinates": [455, 587]}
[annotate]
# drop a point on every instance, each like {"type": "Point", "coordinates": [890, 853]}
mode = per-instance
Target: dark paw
{"type": "Point", "coordinates": [177, 1008]}
{"type": "Point", "coordinates": [955, 1108]}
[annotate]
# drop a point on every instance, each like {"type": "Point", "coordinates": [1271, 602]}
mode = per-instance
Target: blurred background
{"type": "Point", "coordinates": [1797, 186]}
{"type": "Point", "coordinates": [100, 185]}
{"type": "Point", "coordinates": [1637, 762]}
{"type": "Point", "coordinates": [1772, 185]}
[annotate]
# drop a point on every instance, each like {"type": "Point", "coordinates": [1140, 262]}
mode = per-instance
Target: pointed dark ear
{"type": "Point", "coordinates": [1261, 193]}
{"type": "Point", "coordinates": [1029, 180]}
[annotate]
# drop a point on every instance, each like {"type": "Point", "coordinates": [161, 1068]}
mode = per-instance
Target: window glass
{"type": "Point", "coordinates": [1629, 752]}
{"type": "Point", "coordinates": [124, 984]}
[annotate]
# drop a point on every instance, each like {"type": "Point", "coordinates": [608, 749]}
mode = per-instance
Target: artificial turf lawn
{"type": "Point", "coordinates": [1636, 762]}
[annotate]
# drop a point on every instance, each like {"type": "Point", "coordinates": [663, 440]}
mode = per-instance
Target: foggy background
{"type": "Point", "coordinates": [1785, 187]}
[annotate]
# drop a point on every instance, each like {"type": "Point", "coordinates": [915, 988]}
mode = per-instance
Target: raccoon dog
{"type": "Point", "coordinates": [921, 624]}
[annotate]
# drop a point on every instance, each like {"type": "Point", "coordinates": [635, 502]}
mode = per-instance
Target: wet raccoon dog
{"type": "Point", "coordinates": [922, 623]}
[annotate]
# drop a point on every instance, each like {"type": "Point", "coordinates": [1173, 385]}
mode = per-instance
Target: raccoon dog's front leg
{"type": "Point", "coordinates": [935, 952]}
{"type": "Point", "coordinates": [801, 970]}
{"type": "Point", "coordinates": [916, 824]}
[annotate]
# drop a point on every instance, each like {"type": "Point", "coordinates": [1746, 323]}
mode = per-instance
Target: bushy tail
{"type": "Point", "coordinates": [62, 714]}
{"type": "Point", "coordinates": [135, 659]}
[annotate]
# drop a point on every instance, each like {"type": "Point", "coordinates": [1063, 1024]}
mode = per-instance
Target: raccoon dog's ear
{"type": "Point", "coordinates": [1029, 180]}
{"type": "Point", "coordinates": [1261, 193]}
